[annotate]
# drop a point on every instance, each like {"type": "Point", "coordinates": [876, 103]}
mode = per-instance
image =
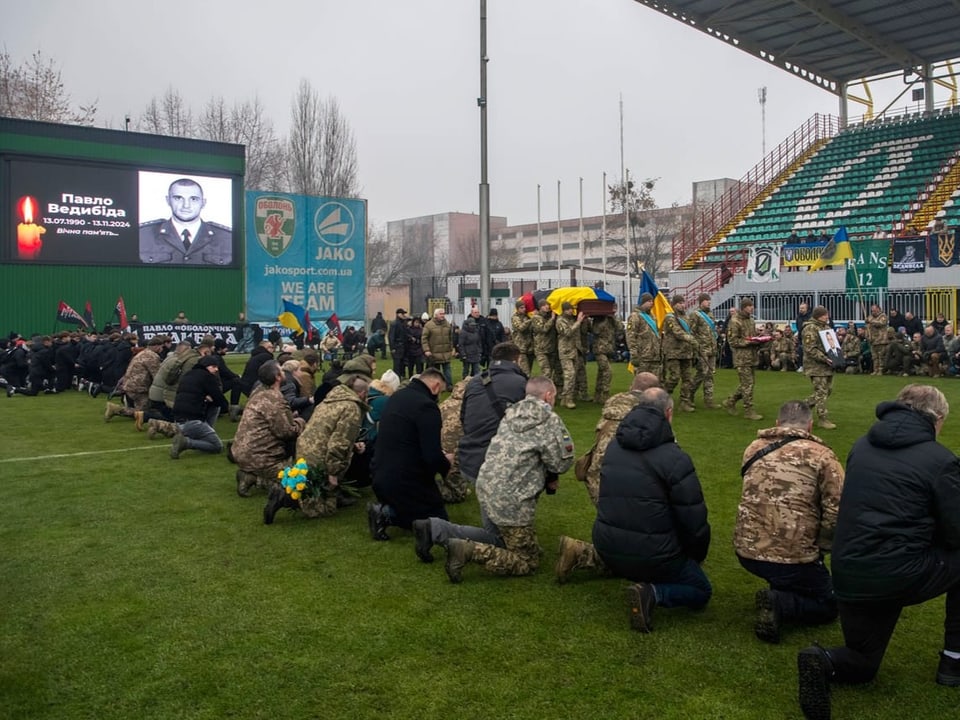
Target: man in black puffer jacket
{"type": "Point", "coordinates": [897, 543]}
{"type": "Point", "coordinates": [651, 524]}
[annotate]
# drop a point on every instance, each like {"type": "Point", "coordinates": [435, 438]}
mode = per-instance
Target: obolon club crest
{"type": "Point", "coordinates": [334, 223]}
{"type": "Point", "coordinates": [275, 219]}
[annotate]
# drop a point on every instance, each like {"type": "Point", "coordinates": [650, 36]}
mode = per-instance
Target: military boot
{"type": "Point", "coordinates": [687, 407]}
{"type": "Point", "coordinates": [751, 414]}
{"type": "Point", "coordinates": [641, 599]}
{"type": "Point", "coordinates": [274, 503]}
{"type": "Point", "coordinates": [179, 444]}
{"type": "Point", "coordinates": [730, 405]}
{"type": "Point", "coordinates": [459, 553]}
{"type": "Point", "coordinates": [826, 424]}
{"type": "Point", "coordinates": [572, 555]}
{"type": "Point", "coordinates": [708, 402]}
{"type": "Point", "coordinates": [235, 411]}
{"type": "Point", "coordinates": [138, 420]}
{"type": "Point", "coordinates": [112, 409]}
{"type": "Point", "coordinates": [245, 483]}
{"type": "Point", "coordinates": [424, 540]}
{"type": "Point", "coordinates": [168, 429]}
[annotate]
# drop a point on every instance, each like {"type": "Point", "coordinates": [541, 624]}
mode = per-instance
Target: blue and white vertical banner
{"type": "Point", "coordinates": [308, 250]}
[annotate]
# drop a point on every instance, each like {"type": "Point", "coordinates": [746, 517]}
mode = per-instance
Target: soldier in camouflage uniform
{"type": "Point", "coordinates": [786, 519]}
{"type": "Point", "coordinates": [163, 390]}
{"type": "Point", "coordinates": [582, 388]}
{"type": "Point", "coordinates": [704, 329]}
{"type": "Point", "coordinates": [643, 338]}
{"type": "Point", "coordinates": [263, 443]}
{"type": "Point", "coordinates": [852, 353]}
{"type": "Point", "coordinates": [570, 350]}
{"type": "Point", "coordinates": [680, 348]}
{"type": "Point", "coordinates": [137, 381]}
{"type": "Point", "coordinates": [614, 410]}
{"type": "Point", "coordinates": [877, 337]}
{"type": "Point", "coordinates": [521, 335]}
{"type": "Point", "coordinates": [544, 329]}
{"type": "Point", "coordinates": [817, 365]}
{"type": "Point", "coordinates": [740, 329]}
{"type": "Point", "coordinates": [604, 340]}
{"type": "Point", "coordinates": [330, 438]}
{"type": "Point", "coordinates": [453, 487]}
{"type": "Point", "coordinates": [531, 448]}
{"type": "Point", "coordinates": [783, 350]}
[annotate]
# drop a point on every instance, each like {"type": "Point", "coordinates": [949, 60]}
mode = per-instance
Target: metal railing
{"type": "Point", "coordinates": [706, 222]}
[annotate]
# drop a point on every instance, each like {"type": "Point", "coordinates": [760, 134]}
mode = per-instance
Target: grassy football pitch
{"type": "Point", "coordinates": [135, 586]}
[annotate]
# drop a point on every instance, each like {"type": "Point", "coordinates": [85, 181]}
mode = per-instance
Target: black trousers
{"type": "Point", "coordinates": [867, 627]}
{"type": "Point", "coordinates": [804, 590]}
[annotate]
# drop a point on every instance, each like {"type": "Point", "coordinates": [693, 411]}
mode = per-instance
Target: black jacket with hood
{"type": "Point", "coordinates": [900, 508]}
{"type": "Point", "coordinates": [651, 516]}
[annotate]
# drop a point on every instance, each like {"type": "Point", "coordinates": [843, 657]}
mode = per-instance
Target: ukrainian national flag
{"type": "Point", "coordinates": [661, 306]}
{"type": "Point", "coordinates": [835, 251]}
{"type": "Point", "coordinates": [293, 317]}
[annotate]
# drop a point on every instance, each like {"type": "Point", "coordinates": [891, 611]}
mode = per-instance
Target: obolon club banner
{"type": "Point", "coordinates": [308, 250]}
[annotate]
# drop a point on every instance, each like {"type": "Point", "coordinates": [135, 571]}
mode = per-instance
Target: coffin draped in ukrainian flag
{"type": "Point", "coordinates": [588, 300]}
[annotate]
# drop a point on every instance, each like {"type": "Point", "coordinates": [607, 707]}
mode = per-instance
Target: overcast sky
{"type": "Point", "coordinates": [406, 74]}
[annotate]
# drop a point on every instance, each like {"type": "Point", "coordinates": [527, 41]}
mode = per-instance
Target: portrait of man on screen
{"type": "Point", "coordinates": [185, 237]}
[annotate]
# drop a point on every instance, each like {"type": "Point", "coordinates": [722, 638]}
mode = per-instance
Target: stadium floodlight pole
{"type": "Point", "coordinates": [539, 242]}
{"type": "Point", "coordinates": [484, 185]}
{"type": "Point", "coordinates": [626, 206]}
{"type": "Point", "coordinates": [580, 234]}
{"type": "Point", "coordinates": [762, 97]}
{"type": "Point", "coordinates": [559, 239]}
{"type": "Point", "coordinates": [603, 230]}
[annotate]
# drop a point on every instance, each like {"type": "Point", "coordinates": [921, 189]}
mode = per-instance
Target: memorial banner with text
{"type": "Point", "coordinates": [909, 255]}
{"type": "Point", "coordinates": [869, 266]}
{"type": "Point", "coordinates": [308, 250]}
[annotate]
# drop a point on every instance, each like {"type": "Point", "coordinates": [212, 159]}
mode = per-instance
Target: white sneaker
{"type": "Point", "coordinates": [800, 369]}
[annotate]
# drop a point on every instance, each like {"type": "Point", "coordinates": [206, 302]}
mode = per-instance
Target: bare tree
{"type": "Point", "coordinates": [650, 232]}
{"type": "Point", "coordinates": [246, 123]}
{"type": "Point", "coordinates": [410, 252]}
{"type": "Point", "coordinates": [167, 116]}
{"type": "Point", "coordinates": [465, 254]}
{"type": "Point", "coordinates": [34, 90]}
{"type": "Point", "coordinates": [386, 263]}
{"type": "Point", "coordinates": [322, 152]}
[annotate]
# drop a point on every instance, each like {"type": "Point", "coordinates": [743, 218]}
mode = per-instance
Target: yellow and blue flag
{"type": "Point", "coordinates": [293, 317]}
{"type": "Point", "coordinates": [661, 306]}
{"type": "Point", "coordinates": [835, 251]}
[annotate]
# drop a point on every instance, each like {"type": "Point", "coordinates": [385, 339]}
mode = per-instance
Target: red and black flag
{"type": "Point", "coordinates": [88, 315]}
{"type": "Point", "coordinates": [121, 312]}
{"type": "Point", "coordinates": [334, 325]}
{"type": "Point", "coordinates": [307, 326]}
{"type": "Point", "coordinates": [67, 314]}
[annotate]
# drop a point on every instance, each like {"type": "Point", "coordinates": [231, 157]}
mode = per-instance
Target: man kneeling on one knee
{"type": "Point", "coordinates": [531, 448]}
{"type": "Point", "coordinates": [651, 525]}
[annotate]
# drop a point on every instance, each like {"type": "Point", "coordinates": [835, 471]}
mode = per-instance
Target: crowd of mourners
{"type": "Point", "coordinates": [319, 422]}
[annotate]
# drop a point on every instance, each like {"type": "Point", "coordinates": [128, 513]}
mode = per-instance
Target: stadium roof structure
{"type": "Point", "coordinates": [830, 44]}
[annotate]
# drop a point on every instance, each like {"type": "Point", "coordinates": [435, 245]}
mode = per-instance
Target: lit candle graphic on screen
{"type": "Point", "coordinates": [28, 234]}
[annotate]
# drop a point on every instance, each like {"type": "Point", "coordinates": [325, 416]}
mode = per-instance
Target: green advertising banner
{"type": "Point", "coordinates": [869, 266]}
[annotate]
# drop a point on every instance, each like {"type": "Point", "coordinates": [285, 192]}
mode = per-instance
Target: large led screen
{"type": "Point", "coordinates": [73, 213]}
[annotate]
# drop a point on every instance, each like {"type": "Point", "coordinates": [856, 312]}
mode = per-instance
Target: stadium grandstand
{"type": "Point", "coordinates": [891, 181]}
